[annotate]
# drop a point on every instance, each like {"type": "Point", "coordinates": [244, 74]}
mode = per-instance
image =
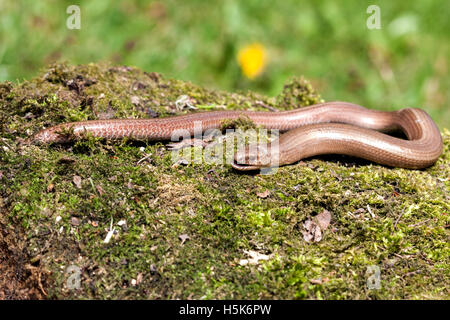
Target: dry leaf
{"type": "Point", "coordinates": [324, 219]}
{"type": "Point", "coordinates": [139, 278]}
{"type": "Point", "coordinates": [135, 100]}
{"type": "Point", "coordinates": [123, 225]}
{"type": "Point", "coordinates": [314, 228]}
{"type": "Point", "coordinates": [77, 181]}
{"type": "Point", "coordinates": [312, 231]}
{"type": "Point", "coordinates": [75, 221]}
{"type": "Point", "coordinates": [319, 281]}
{"type": "Point", "coordinates": [99, 190]}
{"type": "Point", "coordinates": [264, 194]}
{"type": "Point", "coordinates": [50, 187]}
{"type": "Point", "coordinates": [183, 238]}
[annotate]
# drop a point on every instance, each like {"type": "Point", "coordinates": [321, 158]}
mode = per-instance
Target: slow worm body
{"type": "Point", "coordinates": [327, 128]}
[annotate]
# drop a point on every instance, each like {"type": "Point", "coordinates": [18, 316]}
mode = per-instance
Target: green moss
{"type": "Point", "coordinates": [297, 92]}
{"type": "Point", "coordinates": [395, 219]}
{"type": "Point", "coordinates": [243, 123]}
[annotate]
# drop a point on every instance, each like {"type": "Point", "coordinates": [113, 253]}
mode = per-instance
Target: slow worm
{"type": "Point", "coordinates": [326, 128]}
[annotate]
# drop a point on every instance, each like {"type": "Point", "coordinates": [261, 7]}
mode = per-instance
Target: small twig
{"type": "Point", "coordinates": [350, 214]}
{"type": "Point", "coordinates": [145, 158]}
{"type": "Point", "coordinates": [262, 104]}
{"type": "Point", "coordinates": [93, 186]}
{"type": "Point", "coordinates": [215, 173]}
{"type": "Point", "coordinates": [183, 102]}
{"type": "Point", "coordinates": [399, 256]}
{"type": "Point", "coordinates": [40, 284]}
{"type": "Point", "coordinates": [110, 232]}
{"type": "Point", "coordinates": [398, 219]}
{"type": "Point", "coordinates": [370, 211]}
{"type": "Point", "coordinates": [413, 273]}
{"type": "Point", "coordinates": [39, 278]}
{"type": "Point", "coordinates": [418, 224]}
{"type": "Point", "coordinates": [4, 141]}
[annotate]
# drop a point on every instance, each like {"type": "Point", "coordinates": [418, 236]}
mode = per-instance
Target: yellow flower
{"type": "Point", "coordinates": [252, 59]}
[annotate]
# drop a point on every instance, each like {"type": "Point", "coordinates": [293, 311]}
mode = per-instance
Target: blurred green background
{"type": "Point", "coordinates": [405, 63]}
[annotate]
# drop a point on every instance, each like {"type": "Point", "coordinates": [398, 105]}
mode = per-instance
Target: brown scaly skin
{"type": "Point", "coordinates": [332, 127]}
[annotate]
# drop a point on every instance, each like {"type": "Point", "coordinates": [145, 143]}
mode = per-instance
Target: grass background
{"type": "Point", "coordinates": [405, 63]}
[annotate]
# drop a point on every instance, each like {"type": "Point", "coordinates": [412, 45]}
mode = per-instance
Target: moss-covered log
{"type": "Point", "coordinates": [201, 230]}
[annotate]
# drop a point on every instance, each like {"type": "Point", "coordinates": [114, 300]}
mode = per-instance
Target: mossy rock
{"type": "Point", "coordinates": [201, 231]}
